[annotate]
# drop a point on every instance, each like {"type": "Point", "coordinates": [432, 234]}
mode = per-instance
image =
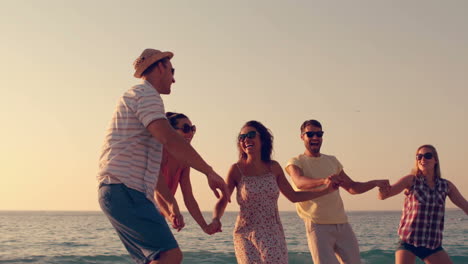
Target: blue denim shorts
{"type": "Point", "coordinates": [142, 229]}
{"type": "Point", "coordinates": [420, 252]}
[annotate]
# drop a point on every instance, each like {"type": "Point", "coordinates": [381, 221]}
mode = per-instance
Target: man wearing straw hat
{"type": "Point", "coordinates": [130, 163]}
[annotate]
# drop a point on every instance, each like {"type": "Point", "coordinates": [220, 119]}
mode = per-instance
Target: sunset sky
{"type": "Point", "coordinates": [383, 77]}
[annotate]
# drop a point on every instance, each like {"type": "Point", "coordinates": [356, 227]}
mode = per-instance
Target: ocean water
{"type": "Point", "coordinates": [87, 237]}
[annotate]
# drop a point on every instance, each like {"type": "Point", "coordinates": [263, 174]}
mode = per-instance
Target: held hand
{"type": "Point", "coordinates": [383, 194]}
{"type": "Point", "coordinates": [216, 182]}
{"type": "Point", "coordinates": [384, 191]}
{"type": "Point", "coordinates": [337, 179]}
{"type": "Point", "coordinates": [177, 222]}
{"type": "Point", "coordinates": [383, 184]}
{"type": "Point", "coordinates": [330, 186]}
{"type": "Point", "coordinates": [213, 228]}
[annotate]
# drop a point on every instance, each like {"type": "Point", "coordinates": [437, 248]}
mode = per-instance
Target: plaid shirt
{"type": "Point", "coordinates": [422, 221]}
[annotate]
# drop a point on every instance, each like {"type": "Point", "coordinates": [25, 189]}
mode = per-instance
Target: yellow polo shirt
{"type": "Point", "coordinates": [326, 209]}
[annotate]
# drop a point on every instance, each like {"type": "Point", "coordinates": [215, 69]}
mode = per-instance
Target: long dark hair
{"type": "Point", "coordinates": [174, 117]}
{"type": "Point", "coordinates": [266, 137]}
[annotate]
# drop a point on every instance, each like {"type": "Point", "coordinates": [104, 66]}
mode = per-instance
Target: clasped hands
{"type": "Point", "coordinates": [177, 221]}
{"type": "Point", "coordinates": [384, 188]}
{"type": "Point", "coordinates": [337, 180]}
{"type": "Point", "coordinates": [214, 227]}
{"type": "Point", "coordinates": [334, 180]}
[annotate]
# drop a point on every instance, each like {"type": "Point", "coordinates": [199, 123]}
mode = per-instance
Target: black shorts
{"type": "Point", "coordinates": [420, 252]}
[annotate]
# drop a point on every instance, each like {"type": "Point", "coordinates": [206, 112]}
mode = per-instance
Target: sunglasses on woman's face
{"type": "Point", "coordinates": [311, 134]}
{"type": "Point", "coordinates": [187, 128]}
{"type": "Point", "coordinates": [251, 134]}
{"type": "Point", "coordinates": [427, 156]}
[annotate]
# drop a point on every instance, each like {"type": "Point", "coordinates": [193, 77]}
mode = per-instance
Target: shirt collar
{"type": "Point", "coordinates": [145, 82]}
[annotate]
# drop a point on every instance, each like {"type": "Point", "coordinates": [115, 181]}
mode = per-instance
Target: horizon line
{"type": "Point", "coordinates": [185, 211]}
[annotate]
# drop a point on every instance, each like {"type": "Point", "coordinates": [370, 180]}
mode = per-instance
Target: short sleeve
{"type": "Point", "coordinates": [149, 105]}
{"type": "Point", "coordinates": [294, 161]}
{"type": "Point", "coordinates": [338, 165]}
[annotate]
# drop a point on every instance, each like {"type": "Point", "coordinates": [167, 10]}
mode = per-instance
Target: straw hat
{"type": "Point", "coordinates": [148, 57]}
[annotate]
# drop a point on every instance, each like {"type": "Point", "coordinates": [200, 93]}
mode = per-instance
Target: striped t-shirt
{"type": "Point", "coordinates": [130, 154]}
{"type": "Point", "coordinates": [422, 221]}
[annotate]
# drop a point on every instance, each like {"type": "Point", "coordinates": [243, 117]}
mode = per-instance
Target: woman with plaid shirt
{"type": "Point", "coordinates": [422, 220]}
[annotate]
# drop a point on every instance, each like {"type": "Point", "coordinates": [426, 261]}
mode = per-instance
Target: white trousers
{"type": "Point", "coordinates": [332, 244]}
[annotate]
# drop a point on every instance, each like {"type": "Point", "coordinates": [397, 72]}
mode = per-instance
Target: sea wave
{"type": "Point", "coordinates": [81, 238]}
{"type": "Point", "coordinates": [368, 257]}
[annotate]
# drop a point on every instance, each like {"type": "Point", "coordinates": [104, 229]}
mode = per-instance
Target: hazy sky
{"type": "Point", "coordinates": [383, 77]}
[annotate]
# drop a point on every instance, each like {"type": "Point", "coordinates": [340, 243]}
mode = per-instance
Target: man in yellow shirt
{"type": "Point", "coordinates": [330, 237]}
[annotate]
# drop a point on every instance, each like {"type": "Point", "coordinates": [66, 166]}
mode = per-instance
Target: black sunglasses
{"type": "Point", "coordinates": [173, 71]}
{"type": "Point", "coordinates": [187, 128]}
{"type": "Point", "coordinates": [311, 134]}
{"type": "Point", "coordinates": [251, 134]}
{"type": "Point", "coordinates": [427, 155]}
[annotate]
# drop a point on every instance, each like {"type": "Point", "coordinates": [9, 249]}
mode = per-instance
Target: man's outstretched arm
{"type": "Point", "coordinates": [354, 187]}
{"type": "Point", "coordinates": [185, 153]}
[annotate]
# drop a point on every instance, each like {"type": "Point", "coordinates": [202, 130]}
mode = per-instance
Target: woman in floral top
{"type": "Point", "coordinates": [258, 234]}
{"type": "Point", "coordinates": [422, 220]}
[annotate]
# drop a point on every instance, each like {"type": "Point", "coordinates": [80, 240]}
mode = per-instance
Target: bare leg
{"type": "Point", "coordinates": [438, 257]}
{"type": "Point", "coordinates": [404, 257]}
{"type": "Point", "coordinates": [172, 256]}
